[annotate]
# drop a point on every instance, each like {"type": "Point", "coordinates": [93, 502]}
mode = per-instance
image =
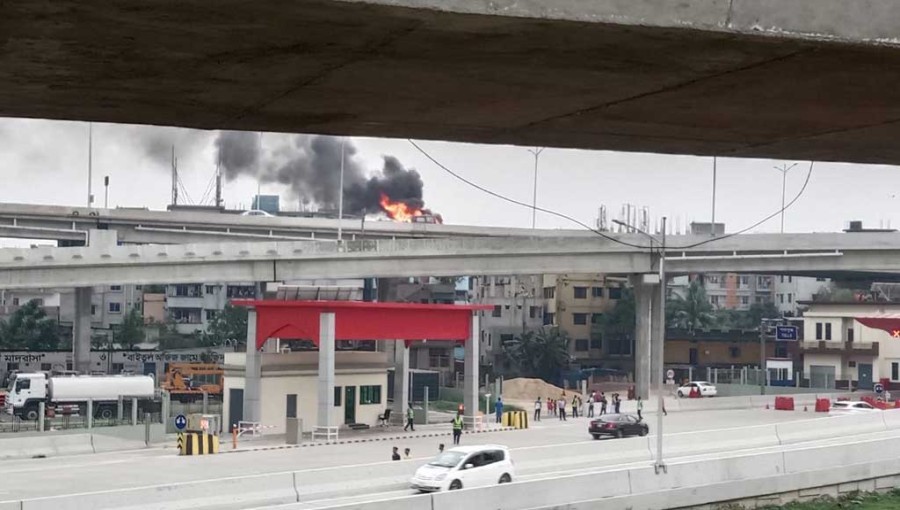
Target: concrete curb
{"type": "Point", "coordinates": [368, 440]}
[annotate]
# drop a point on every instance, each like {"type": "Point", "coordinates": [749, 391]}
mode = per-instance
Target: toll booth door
{"type": "Point", "coordinates": [865, 376]}
{"type": "Point", "coordinates": [349, 404]}
{"type": "Point", "coordinates": [235, 407]}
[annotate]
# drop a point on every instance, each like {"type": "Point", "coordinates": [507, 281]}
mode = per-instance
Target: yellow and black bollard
{"type": "Point", "coordinates": [198, 443]}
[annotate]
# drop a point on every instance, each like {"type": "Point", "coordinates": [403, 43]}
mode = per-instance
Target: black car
{"type": "Point", "coordinates": [618, 425]}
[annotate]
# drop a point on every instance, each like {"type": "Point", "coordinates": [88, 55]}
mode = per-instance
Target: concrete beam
{"type": "Point", "coordinates": [254, 262]}
{"type": "Point", "coordinates": [710, 77]}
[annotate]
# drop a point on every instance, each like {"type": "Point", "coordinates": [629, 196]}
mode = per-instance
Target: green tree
{"type": "Point", "coordinates": [620, 321]}
{"type": "Point", "coordinates": [131, 332]}
{"type": "Point", "coordinates": [29, 328]}
{"type": "Point", "coordinates": [228, 326]}
{"type": "Point", "coordinates": [539, 353]}
{"type": "Point", "coordinates": [692, 311]}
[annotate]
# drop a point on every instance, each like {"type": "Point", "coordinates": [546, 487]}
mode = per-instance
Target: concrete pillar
{"type": "Point", "coordinates": [252, 373]}
{"type": "Point", "coordinates": [642, 303]}
{"type": "Point", "coordinates": [326, 370]}
{"type": "Point", "coordinates": [401, 380]}
{"type": "Point", "coordinates": [81, 330]}
{"type": "Point", "coordinates": [470, 384]}
{"type": "Point", "coordinates": [656, 342]}
{"type": "Point", "coordinates": [134, 412]}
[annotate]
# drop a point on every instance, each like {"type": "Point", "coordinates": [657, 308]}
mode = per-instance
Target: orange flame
{"type": "Point", "coordinates": [398, 211]}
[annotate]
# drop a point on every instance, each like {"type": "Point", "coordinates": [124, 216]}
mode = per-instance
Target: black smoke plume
{"type": "Point", "coordinates": [309, 166]}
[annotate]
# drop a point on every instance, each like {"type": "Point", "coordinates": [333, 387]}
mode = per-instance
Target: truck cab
{"type": "Point", "coordinates": [26, 391]}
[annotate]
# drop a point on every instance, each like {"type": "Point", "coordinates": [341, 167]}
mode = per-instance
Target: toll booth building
{"type": "Point", "coordinates": [328, 390]}
{"type": "Point", "coordinates": [289, 382]}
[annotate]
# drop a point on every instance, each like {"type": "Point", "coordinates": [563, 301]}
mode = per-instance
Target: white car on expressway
{"type": "Point", "coordinates": [258, 213]}
{"type": "Point", "coordinates": [465, 467]}
{"type": "Point", "coordinates": [706, 389]}
{"type": "Point", "coordinates": [848, 407]}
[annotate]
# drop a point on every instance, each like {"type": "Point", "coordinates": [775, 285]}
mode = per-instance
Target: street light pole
{"type": "Point", "coordinates": [658, 354]}
{"type": "Point", "coordinates": [659, 321]}
{"type": "Point", "coordinates": [340, 233]}
{"type": "Point", "coordinates": [537, 153]}
{"type": "Point", "coordinates": [784, 169]}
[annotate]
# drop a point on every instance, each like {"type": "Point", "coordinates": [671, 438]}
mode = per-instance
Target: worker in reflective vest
{"type": "Point", "coordinates": [410, 415]}
{"type": "Point", "coordinates": [457, 427]}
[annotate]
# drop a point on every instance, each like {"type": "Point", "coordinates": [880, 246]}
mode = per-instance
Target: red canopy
{"type": "Point", "coordinates": [362, 320]}
{"type": "Point", "coordinates": [885, 322]}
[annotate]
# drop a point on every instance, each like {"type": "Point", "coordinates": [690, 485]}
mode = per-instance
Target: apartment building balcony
{"type": "Point", "coordinates": [840, 348]}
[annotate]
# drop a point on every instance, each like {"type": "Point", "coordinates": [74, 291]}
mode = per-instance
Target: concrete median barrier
{"type": "Point", "coordinates": [47, 444]}
{"type": "Point", "coordinates": [830, 427]}
{"type": "Point", "coordinates": [891, 419]}
{"type": "Point", "coordinates": [704, 472]}
{"type": "Point", "coordinates": [549, 493]}
{"type": "Point", "coordinates": [861, 453]}
{"type": "Point", "coordinates": [221, 494]}
{"type": "Point", "coordinates": [723, 440]}
{"type": "Point", "coordinates": [418, 502]}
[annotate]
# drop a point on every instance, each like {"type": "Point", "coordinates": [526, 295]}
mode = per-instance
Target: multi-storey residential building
{"type": "Point", "coordinates": [791, 290]}
{"type": "Point", "coordinates": [518, 307]}
{"type": "Point", "coordinates": [576, 303]}
{"type": "Point", "coordinates": [734, 291]}
{"type": "Point", "coordinates": [109, 306]}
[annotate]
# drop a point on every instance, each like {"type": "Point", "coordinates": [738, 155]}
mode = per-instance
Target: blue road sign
{"type": "Point", "coordinates": [879, 388]}
{"type": "Point", "coordinates": [180, 422]}
{"type": "Point", "coordinates": [786, 333]}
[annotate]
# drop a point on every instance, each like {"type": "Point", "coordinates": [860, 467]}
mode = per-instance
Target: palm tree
{"type": "Point", "coordinates": [692, 311]}
{"type": "Point", "coordinates": [541, 353]}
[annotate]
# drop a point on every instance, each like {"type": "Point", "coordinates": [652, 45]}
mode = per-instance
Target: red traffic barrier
{"type": "Point", "coordinates": [784, 403]}
{"type": "Point", "coordinates": [823, 405]}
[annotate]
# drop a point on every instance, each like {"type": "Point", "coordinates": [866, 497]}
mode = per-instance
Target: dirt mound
{"type": "Point", "coordinates": [529, 389]}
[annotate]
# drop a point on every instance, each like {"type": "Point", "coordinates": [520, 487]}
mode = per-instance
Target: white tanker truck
{"type": "Point", "coordinates": [70, 394]}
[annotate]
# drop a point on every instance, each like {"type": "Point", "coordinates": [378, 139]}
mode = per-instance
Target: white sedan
{"type": "Point", "coordinates": [465, 467]}
{"type": "Point", "coordinates": [706, 389]}
{"type": "Point", "coordinates": [847, 407]}
{"type": "Point", "coordinates": [257, 212]}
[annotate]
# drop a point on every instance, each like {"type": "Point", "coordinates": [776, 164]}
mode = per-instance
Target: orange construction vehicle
{"type": "Point", "coordinates": [187, 382]}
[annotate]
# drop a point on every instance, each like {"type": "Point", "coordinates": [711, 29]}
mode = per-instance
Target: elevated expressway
{"type": "Point", "coordinates": [142, 226]}
{"type": "Point", "coordinates": [104, 262]}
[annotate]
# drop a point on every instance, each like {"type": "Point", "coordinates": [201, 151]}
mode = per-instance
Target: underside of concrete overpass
{"type": "Point", "coordinates": [799, 79]}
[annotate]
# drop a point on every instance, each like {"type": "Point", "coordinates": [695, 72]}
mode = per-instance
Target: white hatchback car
{"type": "Point", "coordinates": [706, 389]}
{"type": "Point", "coordinates": [465, 467]}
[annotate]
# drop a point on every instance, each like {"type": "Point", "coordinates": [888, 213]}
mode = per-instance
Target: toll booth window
{"type": "Point", "coordinates": [369, 395]}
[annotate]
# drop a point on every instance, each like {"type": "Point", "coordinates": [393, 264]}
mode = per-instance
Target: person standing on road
{"type": "Point", "coordinates": [498, 409]}
{"type": "Point", "coordinates": [590, 412]}
{"type": "Point", "coordinates": [640, 407]}
{"type": "Point", "coordinates": [575, 406]}
{"type": "Point", "coordinates": [537, 409]}
{"type": "Point", "coordinates": [457, 427]}
{"type": "Point", "coordinates": [410, 414]}
{"type": "Point", "coordinates": [618, 402]}
{"type": "Point", "coordinates": [602, 403]}
{"type": "Point", "coordinates": [551, 406]}
{"type": "Point", "coordinates": [561, 408]}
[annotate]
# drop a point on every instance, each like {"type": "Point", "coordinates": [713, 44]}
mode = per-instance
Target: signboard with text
{"type": "Point", "coordinates": [786, 333]}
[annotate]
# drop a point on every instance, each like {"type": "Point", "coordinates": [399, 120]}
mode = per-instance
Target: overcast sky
{"type": "Point", "coordinates": [45, 162]}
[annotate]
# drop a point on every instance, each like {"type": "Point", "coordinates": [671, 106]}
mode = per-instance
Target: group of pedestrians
{"type": "Point", "coordinates": [558, 406]}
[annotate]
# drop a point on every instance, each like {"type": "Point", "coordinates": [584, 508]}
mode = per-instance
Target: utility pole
{"type": "Point", "coordinates": [106, 192]}
{"type": "Point", "coordinates": [660, 319]}
{"type": "Point", "coordinates": [537, 154]}
{"type": "Point", "coordinates": [713, 225]}
{"type": "Point", "coordinates": [784, 169]}
{"type": "Point", "coordinates": [219, 183]}
{"type": "Point", "coordinates": [340, 234]}
{"type": "Point", "coordinates": [90, 197]}
{"type": "Point", "coordinates": [174, 178]}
